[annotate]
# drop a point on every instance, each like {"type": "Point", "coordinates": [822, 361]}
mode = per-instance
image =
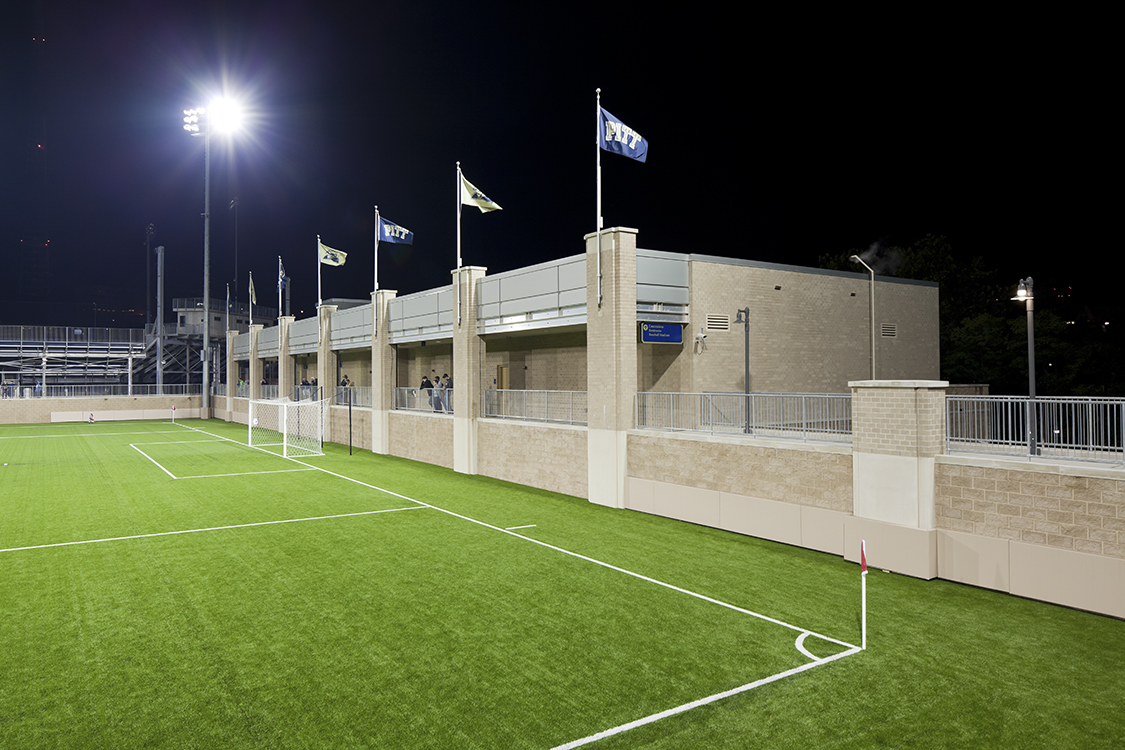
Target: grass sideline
{"type": "Point", "coordinates": [419, 629]}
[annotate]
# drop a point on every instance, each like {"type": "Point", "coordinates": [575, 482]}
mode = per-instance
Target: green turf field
{"type": "Point", "coordinates": [166, 586]}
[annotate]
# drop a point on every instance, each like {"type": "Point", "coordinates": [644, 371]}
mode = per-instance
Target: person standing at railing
{"type": "Point", "coordinates": [427, 387]}
{"type": "Point", "coordinates": [439, 394]}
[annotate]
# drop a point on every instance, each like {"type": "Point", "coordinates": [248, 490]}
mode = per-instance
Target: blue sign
{"type": "Point", "coordinates": [662, 333]}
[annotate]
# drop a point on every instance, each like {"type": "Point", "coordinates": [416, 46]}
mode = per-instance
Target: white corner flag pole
{"type": "Point", "coordinates": [863, 593]}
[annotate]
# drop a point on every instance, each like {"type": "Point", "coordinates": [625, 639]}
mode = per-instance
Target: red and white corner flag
{"type": "Point", "coordinates": [863, 593]}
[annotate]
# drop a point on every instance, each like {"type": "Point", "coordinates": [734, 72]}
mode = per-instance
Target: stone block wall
{"type": "Point", "coordinates": [422, 437]}
{"type": "Point", "coordinates": [1039, 507]}
{"type": "Point", "coordinates": [550, 457]}
{"type": "Point", "coordinates": [819, 476]}
{"type": "Point", "coordinates": [898, 421]}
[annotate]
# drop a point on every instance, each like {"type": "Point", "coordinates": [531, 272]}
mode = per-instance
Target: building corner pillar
{"type": "Point", "coordinates": [898, 428]}
{"type": "Point", "coordinates": [382, 372]}
{"type": "Point", "coordinates": [232, 375]}
{"type": "Point", "coordinates": [255, 364]}
{"type": "Point", "coordinates": [285, 365]}
{"type": "Point", "coordinates": [466, 370]}
{"type": "Point", "coordinates": [611, 361]}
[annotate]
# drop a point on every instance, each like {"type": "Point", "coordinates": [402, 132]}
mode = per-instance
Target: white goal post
{"type": "Point", "coordinates": [296, 426]}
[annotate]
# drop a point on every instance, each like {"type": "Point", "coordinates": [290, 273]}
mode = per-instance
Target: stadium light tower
{"type": "Point", "coordinates": [221, 116]}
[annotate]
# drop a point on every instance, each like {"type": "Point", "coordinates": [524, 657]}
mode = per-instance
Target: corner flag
{"type": "Point", "coordinates": [863, 557]}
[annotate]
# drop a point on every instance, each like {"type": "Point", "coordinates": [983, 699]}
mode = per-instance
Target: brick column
{"type": "Point", "coordinates": [898, 427]}
{"type": "Point", "coordinates": [325, 357]}
{"type": "Point", "coordinates": [232, 374]}
{"type": "Point", "coordinates": [382, 372]}
{"type": "Point", "coordinates": [255, 364]}
{"type": "Point", "coordinates": [466, 371]}
{"type": "Point", "coordinates": [285, 364]}
{"type": "Point", "coordinates": [611, 361]}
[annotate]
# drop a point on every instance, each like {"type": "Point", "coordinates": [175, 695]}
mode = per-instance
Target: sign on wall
{"type": "Point", "coordinates": [662, 333]}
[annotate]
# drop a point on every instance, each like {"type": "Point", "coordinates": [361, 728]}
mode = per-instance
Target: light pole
{"type": "Point", "coordinates": [222, 115]}
{"type": "Point", "coordinates": [859, 260]}
{"type": "Point", "coordinates": [1025, 293]}
{"type": "Point", "coordinates": [744, 318]}
{"type": "Point", "coordinates": [150, 232]}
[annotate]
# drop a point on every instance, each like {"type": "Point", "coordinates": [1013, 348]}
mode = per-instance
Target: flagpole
{"type": "Point", "coordinates": [251, 294]}
{"type": "Point", "coordinates": [376, 249]}
{"type": "Point", "coordinates": [319, 300]}
{"type": "Point", "coordinates": [863, 595]}
{"type": "Point", "coordinates": [280, 274]}
{"type": "Point", "coordinates": [228, 306]}
{"type": "Point", "coordinates": [457, 284]}
{"type": "Point", "coordinates": [598, 152]}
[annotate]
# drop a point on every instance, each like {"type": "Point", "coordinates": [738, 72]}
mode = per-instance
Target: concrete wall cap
{"type": "Point", "coordinates": [898, 383]}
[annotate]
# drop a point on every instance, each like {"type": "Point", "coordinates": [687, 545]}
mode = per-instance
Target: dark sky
{"type": "Point", "coordinates": [771, 137]}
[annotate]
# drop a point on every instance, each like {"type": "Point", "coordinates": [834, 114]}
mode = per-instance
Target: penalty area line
{"type": "Point", "coordinates": [652, 718]}
{"type": "Point", "coordinates": [210, 528]}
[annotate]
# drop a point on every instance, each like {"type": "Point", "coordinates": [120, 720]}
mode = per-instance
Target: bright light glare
{"type": "Point", "coordinates": [224, 115]}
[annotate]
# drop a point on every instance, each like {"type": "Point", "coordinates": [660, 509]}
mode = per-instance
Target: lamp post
{"type": "Point", "coordinates": [1025, 293]}
{"type": "Point", "coordinates": [743, 317]}
{"type": "Point", "coordinates": [859, 260]}
{"type": "Point", "coordinates": [222, 114]}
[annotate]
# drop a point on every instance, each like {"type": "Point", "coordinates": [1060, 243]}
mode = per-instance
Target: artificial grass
{"type": "Point", "coordinates": [416, 628]}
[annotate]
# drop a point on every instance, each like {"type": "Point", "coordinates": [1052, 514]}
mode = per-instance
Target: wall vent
{"type": "Point", "coordinates": [889, 330]}
{"type": "Point", "coordinates": [718, 322]}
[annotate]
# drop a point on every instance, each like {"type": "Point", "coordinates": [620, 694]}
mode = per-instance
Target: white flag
{"type": "Point", "coordinates": [471, 196]}
{"type": "Point", "coordinates": [330, 256]}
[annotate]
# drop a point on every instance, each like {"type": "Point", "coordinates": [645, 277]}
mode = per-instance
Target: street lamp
{"type": "Point", "coordinates": [859, 260]}
{"type": "Point", "coordinates": [223, 116]}
{"type": "Point", "coordinates": [1025, 293]}
{"type": "Point", "coordinates": [743, 317]}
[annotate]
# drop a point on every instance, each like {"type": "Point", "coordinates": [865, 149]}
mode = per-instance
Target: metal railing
{"type": "Point", "coordinates": [792, 416]}
{"type": "Point", "coordinates": [1077, 429]}
{"type": "Point", "coordinates": [268, 392]}
{"type": "Point", "coordinates": [424, 399]}
{"type": "Point", "coordinates": [567, 407]}
{"type": "Point", "coordinates": [356, 395]}
{"type": "Point", "coordinates": [306, 392]}
{"type": "Point", "coordinates": [95, 390]}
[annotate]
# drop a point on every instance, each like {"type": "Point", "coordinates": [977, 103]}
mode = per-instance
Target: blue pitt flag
{"type": "Point", "coordinates": [282, 279]}
{"type": "Point", "coordinates": [619, 138]}
{"type": "Point", "coordinates": [389, 232]}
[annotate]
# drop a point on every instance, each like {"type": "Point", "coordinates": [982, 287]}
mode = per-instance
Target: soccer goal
{"type": "Point", "coordinates": [296, 426]}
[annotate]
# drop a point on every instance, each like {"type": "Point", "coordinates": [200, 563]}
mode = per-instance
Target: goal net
{"type": "Point", "coordinates": [297, 427]}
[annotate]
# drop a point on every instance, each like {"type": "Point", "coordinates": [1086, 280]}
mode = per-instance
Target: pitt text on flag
{"type": "Point", "coordinates": [330, 256]}
{"type": "Point", "coordinates": [389, 232]}
{"type": "Point", "coordinates": [619, 138]}
{"type": "Point", "coordinates": [471, 196]}
{"type": "Point", "coordinates": [281, 277]}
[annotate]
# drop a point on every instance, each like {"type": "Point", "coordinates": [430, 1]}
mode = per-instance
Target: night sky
{"type": "Point", "coordinates": [775, 138]}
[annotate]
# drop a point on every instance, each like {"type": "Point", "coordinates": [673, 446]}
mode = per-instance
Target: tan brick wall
{"type": "Point", "coordinates": [415, 361]}
{"type": "Point", "coordinates": [820, 477]}
{"type": "Point", "coordinates": [898, 421]}
{"type": "Point", "coordinates": [361, 426]}
{"type": "Point", "coordinates": [1074, 512]}
{"type": "Point", "coordinates": [356, 364]}
{"type": "Point", "coordinates": [543, 362]}
{"type": "Point", "coordinates": [422, 437]}
{"type": "Point", "coordinates": [550, 457]}
{"type": "Point", "coordinates": [811, 335]}
{"type": "Point", "coordinates": [38, 410]}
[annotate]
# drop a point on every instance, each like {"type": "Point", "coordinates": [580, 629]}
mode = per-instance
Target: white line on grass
{"type": "Point", "coordinates": [210, 528]}
{"type": "Point", "coordinates": [513, 528]}
{"type": "Point", "coordinates": [88, 434]}
{"type": "Point", "coordinates": [247, 473]}
{"type": "Point", "coordinates": [805, 632]}
{"type": "Point", "coordinates": [502, 530]}
{"type": "Point", "coordinates": [702, 701]}
{"type": "Point", "coordinates": [150, 458]}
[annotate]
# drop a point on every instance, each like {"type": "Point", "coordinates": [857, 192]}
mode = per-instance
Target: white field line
{"type": "Point", "coordinates": [154, 461]}
{"type": "Point", "coordinates": [702, 701]}
{"type": "Point", "coordinates": [246, 473]}
{"type": "Point", "coordinates": [94, 434]}
{"type": "Point", "coordinates": [513, 528]}
{"type": "Point", "coordinates": [210, 528]}
{"type": "Point", "coordinates": [502, 530]}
